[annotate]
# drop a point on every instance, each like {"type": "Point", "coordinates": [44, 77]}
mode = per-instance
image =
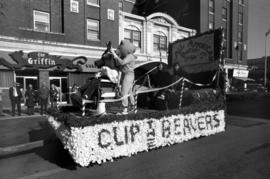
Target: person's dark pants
{"type": "Point", "coordinates": [30, 110]}
{"type": "Point", "coordinates": [53, 104]}
{"type": "Point", "coordinates": [89, 89]}
{"type": "Point", "coordinates": [43, 106]}
{"type": "Point", "coordinates": [16, 101]}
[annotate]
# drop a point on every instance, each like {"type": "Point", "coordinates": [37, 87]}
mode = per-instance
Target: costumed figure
{"type": "Point", "coordinates": [126, 59]}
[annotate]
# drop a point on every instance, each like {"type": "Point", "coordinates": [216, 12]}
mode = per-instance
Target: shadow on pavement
{"type": "Point", "coordinates": [54, 152]}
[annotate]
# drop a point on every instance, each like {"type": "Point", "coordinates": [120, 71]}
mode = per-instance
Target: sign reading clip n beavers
{"type": "Point", "coordinates": [104, 142]}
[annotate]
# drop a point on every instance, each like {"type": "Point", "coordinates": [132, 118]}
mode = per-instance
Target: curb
{"type": "Point", "coordinates": [20, 148]}
{"type": "Point", "coordinates": [249, 118]}
{"type": "Point", "coordinates": [20, 117]}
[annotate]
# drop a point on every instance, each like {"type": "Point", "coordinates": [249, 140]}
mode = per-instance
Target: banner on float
{"type": "Point", "coordinates": [104, 142]}
{"type": "Point", "coordinates": [197, 53]}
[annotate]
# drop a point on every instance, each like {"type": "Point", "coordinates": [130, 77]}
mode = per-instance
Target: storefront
{"type": "Point", "coordinates": [236, 77]}
{"type": "Point", "coordinates": [36, 68]}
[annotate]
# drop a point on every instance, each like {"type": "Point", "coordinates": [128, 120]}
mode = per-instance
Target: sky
{"type": "Point", "coordinates": [258, 24]}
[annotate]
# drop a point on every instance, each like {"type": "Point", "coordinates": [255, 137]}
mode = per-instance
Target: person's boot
{"type": "Point", "coordinates": [132, 109]}
{"type": "Point", "coordinates": [124, 112]}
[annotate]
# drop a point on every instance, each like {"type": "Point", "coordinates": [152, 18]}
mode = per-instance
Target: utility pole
{"type": "Point", "coordinates": [265, 60]}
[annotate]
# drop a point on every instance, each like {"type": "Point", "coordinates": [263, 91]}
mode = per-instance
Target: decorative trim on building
{"type": "Point", "coordinates": [155, 23]}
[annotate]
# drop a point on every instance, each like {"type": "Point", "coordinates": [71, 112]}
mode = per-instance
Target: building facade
{"type": "Point", "coordinates": [204, 15]}
{"type": "Point", "coordinates": [40, 41]}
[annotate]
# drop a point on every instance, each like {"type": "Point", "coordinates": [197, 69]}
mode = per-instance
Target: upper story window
{"type": "Point", "coordinates": [160, 42]}
{"type": "Point", "coordinates": [211, 21]}
{"type": "Point", "coordinates": [240, 36]}
{"type": "Point", "coordinates": [74, 6]}
{"type": "Point", "coordinates": [240, 18]}
{"type": "Point", "coordinates": [211, 6]}
{"type": "Point", "coordinates": [92, 29]}
{"type": "Point", "coordinates": [133, 36]}
{"type": "Point", "coordinates": [110, 14]}
{"type": "Point", "coordinates": [224, 13]}
{"type": "Point", "coordinates": [93, 2]}
{"type": "Point", "coordinates": [133, 1]}
{"type": "Point", "coordinates": [241, 2]}
{"type": "Point", "coordinates": [120, 5]}
{"type": "Point", "coordinates": [41, 21]}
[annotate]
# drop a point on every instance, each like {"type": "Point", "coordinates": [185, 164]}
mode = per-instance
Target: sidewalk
{"type": "Point", "coordinates": [6, 114]}
{"type": "Point", "coordinates": [22, 133]}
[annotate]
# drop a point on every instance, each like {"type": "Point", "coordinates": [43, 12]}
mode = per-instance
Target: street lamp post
{"type": "Point", "coordinates": [265, 60]}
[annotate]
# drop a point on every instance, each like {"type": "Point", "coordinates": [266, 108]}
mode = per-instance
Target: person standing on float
{"type": "Point", "coordinates": [126, 59]}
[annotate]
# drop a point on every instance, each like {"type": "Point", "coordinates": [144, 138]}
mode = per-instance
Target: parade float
{"type": "Point", "coordinates": [97, 139]}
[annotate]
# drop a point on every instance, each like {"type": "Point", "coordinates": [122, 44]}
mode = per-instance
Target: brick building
{"type": "Point", "coordinates": [54, 31]}
{"type": "Point", "coordinates": [204, 15]}
{"type": "Point", "coordinates": [41, 40]}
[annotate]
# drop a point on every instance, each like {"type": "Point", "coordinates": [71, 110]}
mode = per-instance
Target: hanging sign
{"type": "Point", "coordinates": [42, 60]}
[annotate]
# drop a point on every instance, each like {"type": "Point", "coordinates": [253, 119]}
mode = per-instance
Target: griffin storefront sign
{"type": "Point", "coordinates": [198, 53]}
{"type": "Point", "coordinates": [42, 60]}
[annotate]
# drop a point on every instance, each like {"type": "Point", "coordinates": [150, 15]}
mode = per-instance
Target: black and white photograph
{"type": "Point", "coordinates": [134, 89]}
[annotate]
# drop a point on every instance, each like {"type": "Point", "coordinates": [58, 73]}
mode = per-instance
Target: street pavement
{"type": "Point", "coordinates": [243, 151]}
{"type": "Point", "coordinates": [257, 107]}
{"type": "Point", "coordinates": [29, 149]}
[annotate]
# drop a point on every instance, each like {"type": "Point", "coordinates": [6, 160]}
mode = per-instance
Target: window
{"type": "Point", "coordinates": [240, 36]}
{"type": "Point", "coordinates": [120, 5]}
{"type": "Point", "coordinates": [225, 33]}
{"type": "Point", "coordinates": [240, 18]}
{"type": "Point", "coordinates": [241, 2]}
{"type": "Point", "coordinates": [224, 13]}
{"type": "Point", "coordinates": [74, 6]}
{"type": "Point", "coordinates": [92, 29]}
{"type": "Point", "coordinates": [110, 14]}
{"type": "Point", "coordinates": [133, 36]}
{"type": "Point", "coordinates": [239, 52]}
{"type": "Point", "coordinates": [211, 21]}
{"type": "Point", "coordinates": [41, 21]}
{"type": "Point", "coordinates": [225, 45]}
{"type": "Point", "coordinates": [160, 42]}
{"type": "Point", "coordinates": [211, 6]}
{"type": "Point", "coordinates": [93, 2]}
{"type": "Point", "coordinates": [133, 1]}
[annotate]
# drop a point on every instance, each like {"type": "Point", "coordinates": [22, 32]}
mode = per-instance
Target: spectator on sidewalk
{"type": "Point", "coordinates": [30, 99]}
{"type": "Point", "coordinates": [44, 93]}
{"type": "Point", "coordinates": [54, 96]}
{"type": "Point", "coordinates": [15, 96]}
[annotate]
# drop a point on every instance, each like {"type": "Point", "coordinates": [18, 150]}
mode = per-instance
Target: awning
{"type": "Point", "coordinates": [43, 60]}
{"type": "Point", "coordinates": [5, 60]}
{"type": "Point", "coordinates": [244, 79]}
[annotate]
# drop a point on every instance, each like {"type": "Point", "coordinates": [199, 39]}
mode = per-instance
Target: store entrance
{"type": "Point", "coordinates": [25, 78]}
{"type": "Point", "coordinates": [62, 84]}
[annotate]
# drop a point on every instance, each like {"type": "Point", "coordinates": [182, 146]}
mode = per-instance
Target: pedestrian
{"type": "Point", "coordinates": [126, 59]}
{"type": "Point", "coordinates": [30, 99]}
{"type": "Point", "coordinates": [54, 96]}
{"type": "Point", "coordinates": [44, 93]}
{"type": "Point", "coordinates": [15, 96]}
